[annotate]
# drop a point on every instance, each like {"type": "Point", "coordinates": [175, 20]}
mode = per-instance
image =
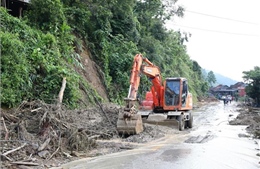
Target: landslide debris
{"type": "Point", "coordinates": [249, 116]}
{"type": "Point", "coordinates": [40, 135]}
{"type": "Point", "coordinates": [36, 133]}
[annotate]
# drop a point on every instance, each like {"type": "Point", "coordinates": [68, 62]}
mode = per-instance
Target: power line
{"type": "Point", "coordinates": [219, 17]}
{"type": "Point", "coordinates": [232, 33]}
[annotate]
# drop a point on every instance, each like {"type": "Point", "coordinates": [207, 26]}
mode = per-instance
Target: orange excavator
{"type": "Point", "coordinates": [166, 102]}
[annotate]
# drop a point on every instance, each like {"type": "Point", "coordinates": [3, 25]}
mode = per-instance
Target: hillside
{"type": "Point", "coordinates": [92, 47]}
{"type": "Point", "coordinates": [221, 79]}
{"type": "Point", "coordinates": [224, 80]}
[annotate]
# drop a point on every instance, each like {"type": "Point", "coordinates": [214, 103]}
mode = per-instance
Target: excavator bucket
{"type": "Point", "coordinates": [129, 126]}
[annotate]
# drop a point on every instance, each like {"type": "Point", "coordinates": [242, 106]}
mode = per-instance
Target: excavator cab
{"type": "Point", "coordinates": [172, 93]}
{"type": "Point", "coordinates": [176, 95]}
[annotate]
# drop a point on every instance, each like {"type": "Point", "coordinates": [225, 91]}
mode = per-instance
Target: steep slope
{"type": "Point", "coordinates": [92, 73]}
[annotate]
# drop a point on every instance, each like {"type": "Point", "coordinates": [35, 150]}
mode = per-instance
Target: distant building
{"type": "Point", "coordinates": [15, 7]}
{"type": "Point", "coordinates": [233, 90]}
{"type": "Point", "coordinates": [241, 91]}
{"type": "Point", "coordinates": [241, 88]}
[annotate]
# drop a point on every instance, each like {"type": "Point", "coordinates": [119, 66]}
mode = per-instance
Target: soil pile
{"type": "Point", "coordinates": [248, 116]}
{"type": "Point", "coordinates": [40, 134]}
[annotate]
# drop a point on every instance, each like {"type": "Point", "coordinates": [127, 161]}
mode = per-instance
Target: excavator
{"type": "Point", "coordinates": [167, 102]}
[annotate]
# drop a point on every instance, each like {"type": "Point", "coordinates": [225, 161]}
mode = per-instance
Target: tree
{"type": "Point", "coordinates": [252, 78]}
{"type": "Point", "coordinates": [46, 15]}
{"type": "Point", "coordinates": [211, 78]}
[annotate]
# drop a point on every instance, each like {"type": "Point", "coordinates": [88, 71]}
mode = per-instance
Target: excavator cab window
{"type": "Point", "coordinates": [172, 92]}
{"type": "Point", "coordinates": [184, 93]}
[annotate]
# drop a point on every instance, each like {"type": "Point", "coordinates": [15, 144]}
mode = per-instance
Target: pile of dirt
{"type": "Point", "coordinates": [40, 134]}
{"type": "Point", "coordinates": [248, 116]}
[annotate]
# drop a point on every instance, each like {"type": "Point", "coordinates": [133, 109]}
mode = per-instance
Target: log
{"type": "Point", "coordinates": [61, 93]}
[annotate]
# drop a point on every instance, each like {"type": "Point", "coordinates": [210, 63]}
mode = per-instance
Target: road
{"type": "Point", "coordinates": [211, 143]}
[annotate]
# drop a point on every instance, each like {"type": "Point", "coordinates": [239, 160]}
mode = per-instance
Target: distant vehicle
{"type": "Point", "coordinates": [229, 97]}
{"type": "Point", "coordinates": [223, 97]}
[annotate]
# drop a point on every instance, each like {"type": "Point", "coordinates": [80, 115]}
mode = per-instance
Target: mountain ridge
{"type": "Point", "coordinates": [221, 79]}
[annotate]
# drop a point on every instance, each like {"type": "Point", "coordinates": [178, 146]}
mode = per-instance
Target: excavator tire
{"type": "Point", "coordinates": [129, 126]}
{"type": "Point", "coordinates": [190, 121]}
{"type": "Point", "coordinates": [181, 121]}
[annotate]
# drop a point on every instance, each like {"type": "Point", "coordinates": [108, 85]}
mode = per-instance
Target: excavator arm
{"type": "Point", "coordinates": [142, 65]}
{"type": "Point", "coordinates": [130, 122]}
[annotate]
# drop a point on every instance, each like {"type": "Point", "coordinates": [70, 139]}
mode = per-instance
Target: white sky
{"type": "Point", "coordinates": [226, 42]}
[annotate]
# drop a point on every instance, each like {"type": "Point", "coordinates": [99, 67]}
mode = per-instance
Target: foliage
{"type": "Point", "coordinates": [211, 78]}
{"type": "Point", "coordinates": [252, 78]}
{"type": "Point", "coordinates": [32, 61]}
{"type": "Point", "coordinates": [46, 15]}
{"type": "Point", "coordinates": [118, 68]}
{"type": "Point", "coordinates": [14, 70]}
{"type": "Point", "coordinates": [53, 34]}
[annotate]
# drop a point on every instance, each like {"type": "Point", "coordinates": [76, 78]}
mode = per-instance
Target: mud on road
{"type": "Point", "coordinates": [36, 135]}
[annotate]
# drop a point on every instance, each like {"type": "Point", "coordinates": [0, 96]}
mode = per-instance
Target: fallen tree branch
{"type": "Point", "coordinates": [9, 117]}
{"type": "Point", "coordinates": [25, 163]}
{"type": "Point", "coordinates": [7, 132]}
{"type": "Point", "coordinates": [54, 153]}
{"type": "Point", "coordinates": [36, 109]}
{"type": "Point", "coordinates": [13, 150]}
{"type": "Point", "coordinates": [9, 159]}
{"type": "Point", "coordinates": [126, 147]}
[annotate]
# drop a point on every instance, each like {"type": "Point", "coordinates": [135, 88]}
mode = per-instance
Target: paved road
{"type": "Point", "coordinates": [210, 144]}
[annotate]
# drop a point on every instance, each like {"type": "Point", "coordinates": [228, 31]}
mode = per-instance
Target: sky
{"type": "Point", "coordinates": [225, 34]}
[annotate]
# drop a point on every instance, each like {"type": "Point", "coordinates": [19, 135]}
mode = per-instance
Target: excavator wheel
{"type": "Point", "coordinates": [129, 126]}
{"type": "Point", "coordinates": [181, 121]}
{"type": "Point", "coordinates": [190, 121]}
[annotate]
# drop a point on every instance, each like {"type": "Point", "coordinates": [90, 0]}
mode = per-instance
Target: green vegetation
{"type": "Point", "coordinates": [43, 47]}
{"type": "Point", "coordinates": [211, 78]}
{"type": "Point", "coordinates": [252, 78]}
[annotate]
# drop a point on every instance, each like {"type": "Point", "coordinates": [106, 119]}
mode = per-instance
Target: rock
{"type": "Point", "coordinates": [44, 154]}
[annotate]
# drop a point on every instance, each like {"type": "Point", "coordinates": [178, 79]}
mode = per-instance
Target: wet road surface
{"type": "Point", "coordinates": [210, 144]}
